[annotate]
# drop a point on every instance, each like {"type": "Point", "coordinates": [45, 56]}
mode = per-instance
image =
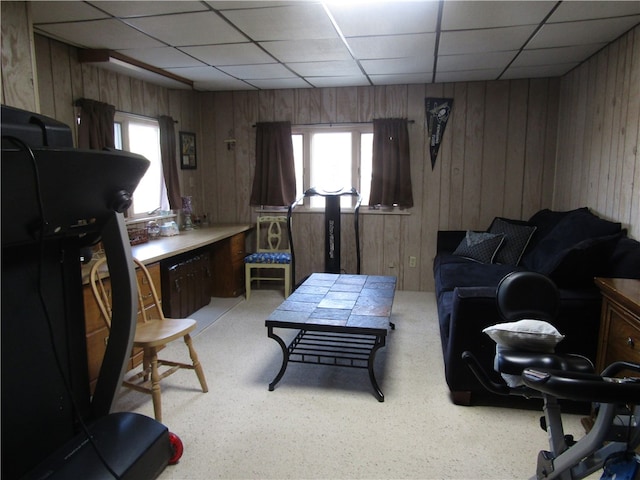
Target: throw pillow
{"type": "Point", "coordinates": [479, 246]}
{"type": "Point", "coordinates": [530, 335]}
{"type": "Point", "coordinates": [517, 235]}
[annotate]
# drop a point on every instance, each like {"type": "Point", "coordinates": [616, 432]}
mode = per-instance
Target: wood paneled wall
{"type": "Point", "coordinates": [17, 79]}
{"type": "Point", "coordinates": [498, 156]}
{"type": "Point", "coordinates": [497, 159]}
{"type": "Point", "coordinates": [598, 163]}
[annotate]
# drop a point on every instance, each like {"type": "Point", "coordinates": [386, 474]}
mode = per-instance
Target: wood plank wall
{"type": "Point", "coordinates": [497, 159]}
{"type": "Point", "coordinates": [498, 155]}
{"type": "Point", "coordinates": [598, 164]}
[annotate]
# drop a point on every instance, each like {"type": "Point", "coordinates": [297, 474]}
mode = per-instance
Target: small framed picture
{"type": "Point", "coordinates": [188, 151]}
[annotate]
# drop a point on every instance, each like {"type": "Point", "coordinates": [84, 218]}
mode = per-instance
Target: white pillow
{"type": "Point", "coordinates": [530, 335]}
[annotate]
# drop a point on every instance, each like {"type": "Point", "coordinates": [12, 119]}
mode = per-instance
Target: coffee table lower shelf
{"type": "Point", "coordinates": [333, 349]}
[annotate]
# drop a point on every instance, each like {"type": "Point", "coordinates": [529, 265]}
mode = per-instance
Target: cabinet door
{"type": "Point", "coordinates": [174, 290]}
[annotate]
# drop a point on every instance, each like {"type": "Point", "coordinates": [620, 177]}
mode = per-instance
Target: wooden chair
{"type": "Point", "coordinates": [153, 332]}
{"type": "Point", "coordinates": [272, 252]}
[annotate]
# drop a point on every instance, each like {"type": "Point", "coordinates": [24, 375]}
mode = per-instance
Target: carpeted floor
{"type": "Point", "coordinates": [323, 422]}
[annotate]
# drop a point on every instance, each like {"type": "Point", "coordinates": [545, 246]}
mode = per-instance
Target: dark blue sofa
{"type": "Point", "coordinates": [570, 247]}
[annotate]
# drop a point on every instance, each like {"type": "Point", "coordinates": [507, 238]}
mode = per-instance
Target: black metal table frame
{"type": "Point", "coordinates": [340, 346]}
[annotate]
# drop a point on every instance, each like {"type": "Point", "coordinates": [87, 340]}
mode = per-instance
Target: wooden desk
{"type": "Point", "coordinates": [620, 321]}
{"type": "Point", "coordinates": [205, 243]}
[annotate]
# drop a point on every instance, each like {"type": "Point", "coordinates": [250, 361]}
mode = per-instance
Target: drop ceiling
{"type": "Point", "coordinates": [249, 45]}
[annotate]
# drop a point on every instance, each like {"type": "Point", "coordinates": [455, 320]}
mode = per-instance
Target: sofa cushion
{"type": "Point", "coordinates": [584, 261]}
{"type": "Point", "coordinates": [517, 235]}
{"type": "Point", "coordinates": [575, 227]}
{"type": "Point", "coordinates": [527, 334]}
{"type": "Point", "coordinates": [479, 246]}
{"type": "Point", "coordinates": [472, 274]}
{"type": "Point", "coordinates": [545, 220]}
{"type": "Point", "coordinates": [624, 261]}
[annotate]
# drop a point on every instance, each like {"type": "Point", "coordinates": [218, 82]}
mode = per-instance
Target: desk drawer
{"type": "Point", "coordinates": [624, 338]}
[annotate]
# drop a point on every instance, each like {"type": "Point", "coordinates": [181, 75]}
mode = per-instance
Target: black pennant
{"type": "Point", "coordinates": [438, 111]}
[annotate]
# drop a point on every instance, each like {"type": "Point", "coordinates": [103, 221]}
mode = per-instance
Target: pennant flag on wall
{"type": "Point", "coordinates": [438, 110]}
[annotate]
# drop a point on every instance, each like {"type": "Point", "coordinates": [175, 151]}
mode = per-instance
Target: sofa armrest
{"type": "Point", "coordinates": [448, 240]}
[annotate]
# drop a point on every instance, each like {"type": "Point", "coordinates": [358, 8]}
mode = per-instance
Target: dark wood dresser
{"type": "Point", "coordinates": [620, 321]}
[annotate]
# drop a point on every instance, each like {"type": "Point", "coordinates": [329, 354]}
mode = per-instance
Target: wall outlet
{"type": "Point", "coordinates": [412, 261]}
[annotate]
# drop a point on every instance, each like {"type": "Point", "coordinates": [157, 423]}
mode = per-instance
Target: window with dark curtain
{"type": "Point", "coordinates": [95, 131]}
{"type": "Point", "coordinates": [274, 182]}
{"type": "Point", "coordinates": [169, 164]}
{"type": "Point", "coordinates": [391, 169]}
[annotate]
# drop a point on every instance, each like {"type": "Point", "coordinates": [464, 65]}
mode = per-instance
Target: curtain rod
{"type": "Point", "coordinates": [332, 123]}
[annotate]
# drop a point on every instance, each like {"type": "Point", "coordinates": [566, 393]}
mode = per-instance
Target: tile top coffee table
{"type": "Point", "coordinates": [342, 321]}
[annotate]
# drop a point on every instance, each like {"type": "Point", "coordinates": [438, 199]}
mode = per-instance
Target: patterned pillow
{"type": "Point", "coordinates": [517, 235]}
{"type": "Point", "coordinates": [479, 246]}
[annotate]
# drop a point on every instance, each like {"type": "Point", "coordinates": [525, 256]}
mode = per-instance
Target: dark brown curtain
{"type": "Point", "coordinates": [169, 163]}
{"type": "Point", "coordinates": [390, 170]}
{"type": "Point", "coordinates": [96, 124]}
{"type": "Point", "coordinates": [274, 182]}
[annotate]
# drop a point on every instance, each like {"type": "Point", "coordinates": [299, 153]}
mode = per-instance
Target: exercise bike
{"type": "Point", "coordinates": [614, 436]}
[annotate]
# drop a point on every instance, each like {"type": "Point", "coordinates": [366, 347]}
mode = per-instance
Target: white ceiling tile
{"type": "Point", "coordinates": [466, 15]}
{"type": "Point", "coordinates": [201, 28]}
{"type": "Point", "coordinates": [550, 56]}
{"type": "Point", "coordinates": [296, 22]}
{"type": "Point", "coordinates": [539, 71]}
{"type": "Point", "coordinates": [258, 72]}
{"type": "Point", "coordinates": [422, 64]}
{"type": "Point", "coordinates": [585, 10]}
{"type": "Point", "coordinates": [109, 34]}
{"type": "Point", "coordinates": [229, 54]}
{"type": "Point", "coordinates": [393, 46]}
{"type": "Point", "coordinates": [307, 50]}
{"type": "Point", "coordinates": [242, 5]}
{"type": "Point", "coordinates": [162, 57]}
{"type": "Point", "coordinates": [468, 75]}
{"type": "Point", "coordinates": [222, 85]}
{"type": "Point", "coordinates": [584, 32]}
{"type": "Point", "coordinates": [487, 40]}
{"type": "Point", "coordinates": [476, 61]}
{"type": "Point", "coordinates": [332, 82]}
{"type": "Point", "coordinates": [326, 69]}
{"type": "Point", "coordinates": [140, 8]}
{"type": "Point", "coordinates": [407, 78]}
{"type": "Point", "coordinates": [274, 84]}
{"type": "Point", "coordinates": [201, 74]}
{"type": "Point", "coordinates": [357, 19]}
{"type": "Point", "coordinates": [258, 38]}
{"type": "Point", "coordinates": [64, 12]}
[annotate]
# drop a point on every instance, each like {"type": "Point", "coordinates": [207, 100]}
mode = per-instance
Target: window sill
{"type": "Point", "coordinates": [365, 210]}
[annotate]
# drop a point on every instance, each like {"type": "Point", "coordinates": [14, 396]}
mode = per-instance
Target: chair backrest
{"type": "Point", "coordinates": [527, 295]}
{"type": "Point", "coordinates": [149, 306]}
{"type": "Point", "coordinates": [271, 234]}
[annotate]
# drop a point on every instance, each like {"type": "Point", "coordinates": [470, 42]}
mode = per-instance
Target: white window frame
{"type": "Point", "coordinates": [303, 178]}
{"type": "Point", "coordinates": [121, 122]}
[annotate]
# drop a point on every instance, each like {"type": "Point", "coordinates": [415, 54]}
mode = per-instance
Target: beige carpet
{"type": "Point", "coordinates": [324, 422]}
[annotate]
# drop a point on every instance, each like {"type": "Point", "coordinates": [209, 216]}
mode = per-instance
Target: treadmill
{"type": "Point", "coordinates": [57, 201]}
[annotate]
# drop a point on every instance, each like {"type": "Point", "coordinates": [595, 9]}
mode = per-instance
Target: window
{"type": "Point", "coordinates": [142, 136]}
{"type": "Point", "coordinates": [332, 158]}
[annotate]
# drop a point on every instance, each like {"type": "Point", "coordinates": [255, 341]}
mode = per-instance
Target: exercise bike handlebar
{"type": "Point", "coordinates": [587, 387]}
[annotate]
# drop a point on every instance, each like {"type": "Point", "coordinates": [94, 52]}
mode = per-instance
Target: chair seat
{"type": "Point", "coordinates": [268, 257]}
{"type": "Point", "coordinates": [153, 333]}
